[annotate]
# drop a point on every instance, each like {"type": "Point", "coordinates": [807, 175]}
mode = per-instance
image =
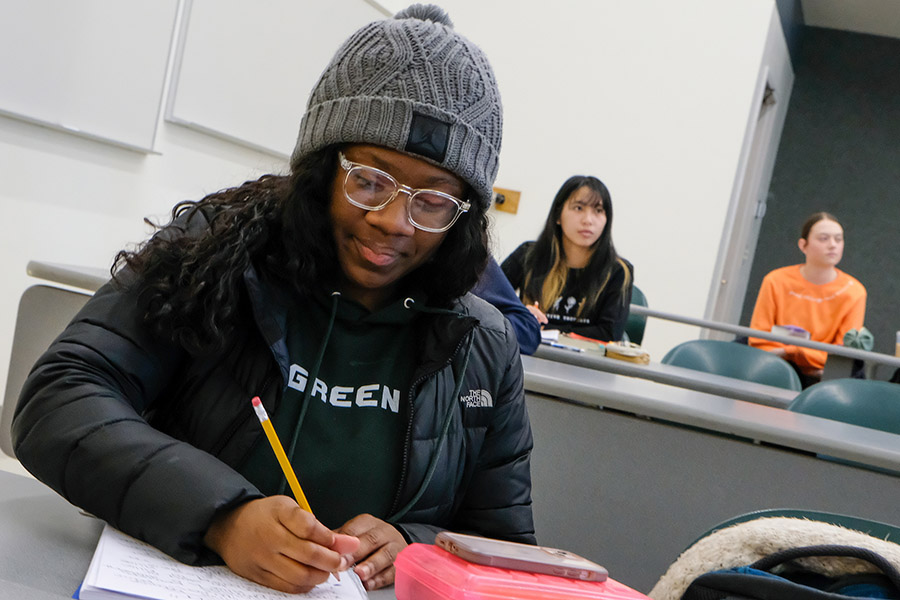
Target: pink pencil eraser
{"type": "Point", "coordinates": [256, 401]}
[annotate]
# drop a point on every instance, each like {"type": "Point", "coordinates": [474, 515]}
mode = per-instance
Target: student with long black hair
{"type": "Point", "coordinates": [571, 277]}
{"type": "Point", "coordinates": [338, 295]}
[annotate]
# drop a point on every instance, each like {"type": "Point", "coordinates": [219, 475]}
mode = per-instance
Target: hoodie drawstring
{"type": "Point", "coordinates": [307, 393]}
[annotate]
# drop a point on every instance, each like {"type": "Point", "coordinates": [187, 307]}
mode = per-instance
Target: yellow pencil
{"type": "Point", "coordinates": [280, 455]}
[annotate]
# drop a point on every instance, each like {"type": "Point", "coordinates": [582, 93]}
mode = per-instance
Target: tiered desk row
{"type": "Point", "coordinates": [632, 463]}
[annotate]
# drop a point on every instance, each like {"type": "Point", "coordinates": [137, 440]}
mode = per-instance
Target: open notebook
{"type": "Point", "coordinates": [124, 567]}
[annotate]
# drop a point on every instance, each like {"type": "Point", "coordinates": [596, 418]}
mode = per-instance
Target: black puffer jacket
{"type": "Point", "coordinates": [147, 437]}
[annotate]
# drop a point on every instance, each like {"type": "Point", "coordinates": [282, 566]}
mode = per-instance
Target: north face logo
{"type": "Point", "coordinates": [477, 399]}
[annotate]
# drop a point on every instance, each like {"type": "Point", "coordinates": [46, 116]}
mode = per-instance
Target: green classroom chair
{"type": "Point", "coordinates": [691, 563]}
{"type": "Point", "coordinates": [877, 529]}
{"type": "Point", "coordinates": [635, 325]}
{"type": "Point", "coordinates": [864, 402]}
{"type": "Point", "coordinates": [734, 360]}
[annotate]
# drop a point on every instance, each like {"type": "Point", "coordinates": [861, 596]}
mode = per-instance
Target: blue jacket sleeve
{"type": "Point", "coordinates": [496, 289]}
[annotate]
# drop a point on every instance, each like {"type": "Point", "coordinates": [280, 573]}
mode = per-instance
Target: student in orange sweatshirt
{"type": "Point", "coordinates": [816, 296]}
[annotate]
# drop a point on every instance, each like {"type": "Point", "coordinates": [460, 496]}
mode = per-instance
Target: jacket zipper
{"type": "Point", "coordinates": [404, 465]}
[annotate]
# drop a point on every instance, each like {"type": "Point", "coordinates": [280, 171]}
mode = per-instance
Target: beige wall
{"type": "Point", "coordinates": [653, 97]}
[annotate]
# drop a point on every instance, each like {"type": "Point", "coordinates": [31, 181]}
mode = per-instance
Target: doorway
{"type": "Point", "coordinates": [733, 272]}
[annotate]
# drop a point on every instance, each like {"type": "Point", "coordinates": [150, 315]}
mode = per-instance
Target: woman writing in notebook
{"type": "Point", "coordinates": [571, 278]}
{"type": "Point", "coordinates": [337, 294]}
{"type": "Point", "coordinates": [815, 295]}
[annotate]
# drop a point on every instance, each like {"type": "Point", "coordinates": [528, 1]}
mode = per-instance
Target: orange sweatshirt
{"type": "Point", "coordinates": [827, 311]}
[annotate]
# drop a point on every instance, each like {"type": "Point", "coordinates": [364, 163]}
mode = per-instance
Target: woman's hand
{"type": "Point", "coordinates": [379, 543]}
{"type": "Point", "coordinates": [537, 312]}
{"type": "Point", "coordinates": [275, 543]}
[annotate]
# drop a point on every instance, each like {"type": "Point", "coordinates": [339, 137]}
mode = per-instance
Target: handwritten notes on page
{"type": "Point", "coordinates": [124, 567]}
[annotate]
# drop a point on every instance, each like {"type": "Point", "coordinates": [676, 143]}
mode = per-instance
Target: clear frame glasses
{"type": "Point", "coordinates": [373, 189]}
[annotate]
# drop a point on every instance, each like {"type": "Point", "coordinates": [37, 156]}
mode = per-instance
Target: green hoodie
{"type": "Point", "coordinates": [360, 392]}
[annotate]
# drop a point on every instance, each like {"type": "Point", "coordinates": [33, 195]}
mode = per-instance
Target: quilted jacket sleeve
{"type": "Point", "coordinates": [79, 428]}
{"type": "Point", "coordinates": [496, 289]}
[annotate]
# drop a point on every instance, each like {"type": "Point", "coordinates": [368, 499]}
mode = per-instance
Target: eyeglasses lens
{"type": "Point", "coordinates": [370, 188]}
{"type": "Point", "coordinates": [431, 210]}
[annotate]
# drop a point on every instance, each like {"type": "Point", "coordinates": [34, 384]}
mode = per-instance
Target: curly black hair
{"type": "Point", "coordinates": [189, 274]}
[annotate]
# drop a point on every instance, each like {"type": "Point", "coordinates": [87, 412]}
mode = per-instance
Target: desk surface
{"type": "Point", "coordinates": [673, 375]}
{"type": "Point", "coordinates": [713, 413]}
{"type": "Point", "coordinates": [46, 544]}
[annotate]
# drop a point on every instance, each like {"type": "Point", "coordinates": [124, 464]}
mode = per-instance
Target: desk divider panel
{"type": "Point", "coordinates": [631, 493]}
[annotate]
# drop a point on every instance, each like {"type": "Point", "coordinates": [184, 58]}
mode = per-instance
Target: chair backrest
{"type": "Point", "coordinates": [44, 311]}
{"type": "Point", "coordinates": [635, 325]}
{"type": "Point", "coordinates": [742, 540]}
{"type": "Point", "coordinates": [734, 360]}
{"type": "Point", "coordinates": [877, 529]}
{"type": "Point", "coordinates": [864, 402]}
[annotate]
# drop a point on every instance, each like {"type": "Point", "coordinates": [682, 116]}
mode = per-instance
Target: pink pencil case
{"type": "Point", "coordinates": [426, 572]}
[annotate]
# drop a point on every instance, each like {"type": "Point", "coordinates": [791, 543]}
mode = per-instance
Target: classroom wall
{"type": "Point", "coordinates": [652, 97]}
{"type": "Point", "coordinates": [840, 152]}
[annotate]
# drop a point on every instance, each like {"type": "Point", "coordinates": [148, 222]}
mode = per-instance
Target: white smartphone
{"type": "Point", "coordinates": [521, 557]}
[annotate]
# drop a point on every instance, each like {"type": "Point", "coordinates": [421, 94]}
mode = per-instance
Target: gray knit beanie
{"type": "Point", "coordinates": [411, 84]}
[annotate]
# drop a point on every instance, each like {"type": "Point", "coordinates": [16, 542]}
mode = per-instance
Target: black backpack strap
{"type": "Point", "coordinates": [776, 558]}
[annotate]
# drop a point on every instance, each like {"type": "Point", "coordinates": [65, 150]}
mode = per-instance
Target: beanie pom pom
{"type": "Point", "coordinates": [426, 12]}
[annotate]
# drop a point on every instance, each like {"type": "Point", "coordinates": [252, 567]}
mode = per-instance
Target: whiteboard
{"type": "Point", "coordinates": [91, 67]}
{"type": "Point", "coordinates": [244, 70]}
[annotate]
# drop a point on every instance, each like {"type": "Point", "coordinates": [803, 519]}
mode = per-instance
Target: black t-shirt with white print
{"type": "Point", "coordinates": [607, 319]}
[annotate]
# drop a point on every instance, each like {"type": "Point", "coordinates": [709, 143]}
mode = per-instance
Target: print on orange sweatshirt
{"type": "Point", "coordinates": [827, 311]}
